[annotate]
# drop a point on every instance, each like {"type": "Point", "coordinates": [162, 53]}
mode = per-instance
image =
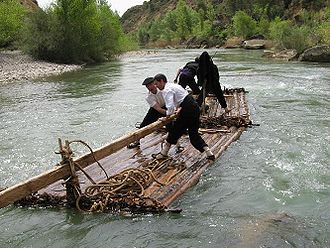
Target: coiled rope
{"type": "Point", "coordinates": [125, 191]}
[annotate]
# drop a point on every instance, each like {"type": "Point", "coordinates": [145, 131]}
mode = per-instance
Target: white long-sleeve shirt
{"type": "Point", "coordinates": [173, 95]}
{"type": "Point", "coordinates": [152, 99]}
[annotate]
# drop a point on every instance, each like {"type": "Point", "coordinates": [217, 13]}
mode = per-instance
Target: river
{"type": "Point", "coordinates": [271, 188]}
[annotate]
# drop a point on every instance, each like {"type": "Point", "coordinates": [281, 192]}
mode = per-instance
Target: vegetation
{"type": "Point", "coordinates": [80, 31]}
{"type": "Point", "coordinates": [245, 19]}
{"type": "Point", "coordinates": [11, 21]}
{"type": "Point", "coordinates": [70, 31]}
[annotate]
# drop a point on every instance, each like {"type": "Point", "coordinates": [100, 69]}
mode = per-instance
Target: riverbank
{"type": "Point", "coordinates": [17, 66]}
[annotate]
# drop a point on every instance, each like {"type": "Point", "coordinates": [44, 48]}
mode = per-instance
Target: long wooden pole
{"type": "Point", "coordinates": [21, 190]}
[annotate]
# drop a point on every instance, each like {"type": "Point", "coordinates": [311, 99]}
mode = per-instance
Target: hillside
{"type": "Point", "coordinates": [30, 4]}
{"type": "Point", "coordinates": [134, 17]}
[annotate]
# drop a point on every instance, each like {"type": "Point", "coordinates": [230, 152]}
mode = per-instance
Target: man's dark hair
{"type": "Point", "coordinates": [160, 76]}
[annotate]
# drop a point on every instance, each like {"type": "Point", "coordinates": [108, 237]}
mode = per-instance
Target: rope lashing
{"type": "Point", "coordinates": [218, 121]}
{"type": "Point", "coordinates": [125, 190]}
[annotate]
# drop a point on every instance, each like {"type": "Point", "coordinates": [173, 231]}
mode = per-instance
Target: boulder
{"type": "Point", "coordinates": [234, 42]}
{"type": "Point", "coordinates": [287, 54]}
{"type": "Point", "coordinates": [254, 44]}
{"type": "Point", "coordinates": [319, 53]}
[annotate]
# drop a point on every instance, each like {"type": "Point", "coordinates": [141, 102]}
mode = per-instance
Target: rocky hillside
{"type": "Point", "coordinates": [30, 4]}
{"type": "Point", "coordinates": [154, 9]}
{"type": "Point", "coordinates": [134, 17]}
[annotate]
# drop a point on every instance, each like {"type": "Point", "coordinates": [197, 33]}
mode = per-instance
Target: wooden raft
{"type": "Point", "coordinates": [115, 158]}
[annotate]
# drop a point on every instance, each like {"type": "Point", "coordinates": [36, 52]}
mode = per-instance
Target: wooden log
{"type": "Point", "coordinates": [21, 190]}
{"type": "Point", "coordinates": [197, 174]}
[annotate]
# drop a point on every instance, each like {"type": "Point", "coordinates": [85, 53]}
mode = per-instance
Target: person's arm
{"type": "Point", "coordinates": [159, 109]}
{"type": "Point", "coordinates": [177, 75]}
{"type": "Point", "coordinates": [169, 102]}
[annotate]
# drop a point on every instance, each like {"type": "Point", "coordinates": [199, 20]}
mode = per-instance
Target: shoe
{"type": "Point", "coordinates": [179, 149]}
{"type": "Point", "coordinates": [133, 144]}
{"type": "Point", "coordinates": [211, 157]}
{"type": "Point", "coordinates": [159, 156]}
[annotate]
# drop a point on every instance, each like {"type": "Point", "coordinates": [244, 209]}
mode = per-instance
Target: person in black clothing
{"type": "Point", "coordinates": [178, 100]}
{"type": "Point", "coordinates": [208, 77]}
{"type": "Point", "coordinates": [187, 75]}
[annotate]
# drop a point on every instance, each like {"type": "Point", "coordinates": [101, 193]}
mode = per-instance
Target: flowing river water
{"type": "Point", "coordinates": [271, 188]}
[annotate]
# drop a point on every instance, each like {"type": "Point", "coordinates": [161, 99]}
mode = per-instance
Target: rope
{"type": "Point", "coordinates": [219, 121]}
{"type": "Point", "coordinates": [92, 152]}
{"type": "Point", "coordinates": [125, 190]}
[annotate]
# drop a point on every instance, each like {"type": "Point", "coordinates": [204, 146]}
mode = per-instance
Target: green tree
{"type": "Point", "coordinates": [263, 27]}
{"type": "Point", "coordinates": [75, 31]}
{"type": "Point", "coordinates": [298, 38]}
{"type": "Point", "coordinates": [322, 29]}
{"type": "Point", "coordinates": [279, 29]}
{"type": "Point", "coordinates": [11, 21]}
{"type": "Point", "coordinates": [244, 26]}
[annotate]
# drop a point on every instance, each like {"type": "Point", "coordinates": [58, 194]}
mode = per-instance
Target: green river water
{"type": "Point", "coordinates": [271, 188]}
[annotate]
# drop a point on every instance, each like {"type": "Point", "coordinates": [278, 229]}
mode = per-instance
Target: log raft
{"type": "Point", "coordinates": [115, 178]}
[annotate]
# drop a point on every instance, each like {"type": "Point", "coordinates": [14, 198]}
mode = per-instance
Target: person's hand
{"type": "Point", "coordinates": [162, 119]}
{"type": "Point", "coordinates": [177, 110]}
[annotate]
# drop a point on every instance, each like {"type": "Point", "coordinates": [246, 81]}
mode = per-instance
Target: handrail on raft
{"type": "Point", "coordinates": [32, 185]}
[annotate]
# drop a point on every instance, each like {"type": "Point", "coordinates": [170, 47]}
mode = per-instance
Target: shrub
{"type": "Point", "coordinates": [244, 26]}
{"type": "Point", "coordinates": [278, 30]}
{"type": "Point", "coordinates": [75, 31]}
{"type": "Point", "coordinates": [298, 38]}
{"type": "Point", "coordinates": [11, 21]}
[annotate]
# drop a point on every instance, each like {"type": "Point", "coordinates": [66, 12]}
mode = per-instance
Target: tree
{"type": "Point", "coordinates": [11, 21]}
{"type": "Point", "coordinates": [75, 31]}
{"type": "Point", "coordinates": [244, 26]}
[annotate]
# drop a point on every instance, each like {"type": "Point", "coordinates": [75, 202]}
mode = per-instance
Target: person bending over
{"type": "Point", "coordinates": [187, 75]}
{"type": "Point", "coordinates": [208, 77]}
{"type": "Point", "coordinates": [178, 100]}
{"type": "Point", "coordinates": [157, 106]}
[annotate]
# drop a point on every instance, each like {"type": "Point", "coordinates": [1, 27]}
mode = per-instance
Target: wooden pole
{"type": "Point", "coordinates": [21, 190]}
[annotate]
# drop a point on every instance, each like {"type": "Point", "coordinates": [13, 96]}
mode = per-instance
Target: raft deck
{"type": "Point", "coordinates": [158, 182]}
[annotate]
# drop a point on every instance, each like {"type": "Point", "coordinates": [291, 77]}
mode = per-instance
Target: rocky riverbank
{"type": "Point", "coordinates": [16, 66]}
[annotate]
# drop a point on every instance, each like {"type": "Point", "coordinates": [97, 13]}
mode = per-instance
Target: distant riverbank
{"type": "Point", "coordinates": [17, 66]}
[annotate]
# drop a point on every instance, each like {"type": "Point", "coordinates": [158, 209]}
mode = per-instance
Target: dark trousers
{"type": "Point", "coordinates": [152, 116]}
{"type": "Point", "coordinates": [185, 80]}
{"type": "Point", "coordinates": [188, 119]}
{"type": "Point", "coordinates": [214, 88]}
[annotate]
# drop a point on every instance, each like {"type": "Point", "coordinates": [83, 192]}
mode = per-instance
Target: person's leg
{"type": "Point", "coordinates": [173, 136]}
{"type": "Point", "coordinates": [217, 91]}
{"type": "Point", "coordinates": [152, 116]}
{"type": "Point", "coordinates": [200, 98]}
{"type": "Point", "coordinates": [193, 86]}
{"type": "Point", "coordinates": [196, 140]}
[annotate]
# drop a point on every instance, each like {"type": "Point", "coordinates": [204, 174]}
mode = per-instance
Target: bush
{"type": "Point", "coordinates": [244, 26]}
{"type": "Point", "coordinates": [279, 30]}
{"type": "Point", "coordinates": [11, 21]}
{"type": "Point", "coordinates": [75, 31]}
{"type": "Point", "coordinates": [298, 38]}
{"type": "Point", "coordinates": [323, 33]}
{"type": "Point", "coordinates": [322, 30]}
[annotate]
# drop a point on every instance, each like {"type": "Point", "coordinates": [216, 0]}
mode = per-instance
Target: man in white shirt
{"type": "Point", "coordinates": [177, 100]}
{"type": "Point", "coordinates": [157, 106]}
